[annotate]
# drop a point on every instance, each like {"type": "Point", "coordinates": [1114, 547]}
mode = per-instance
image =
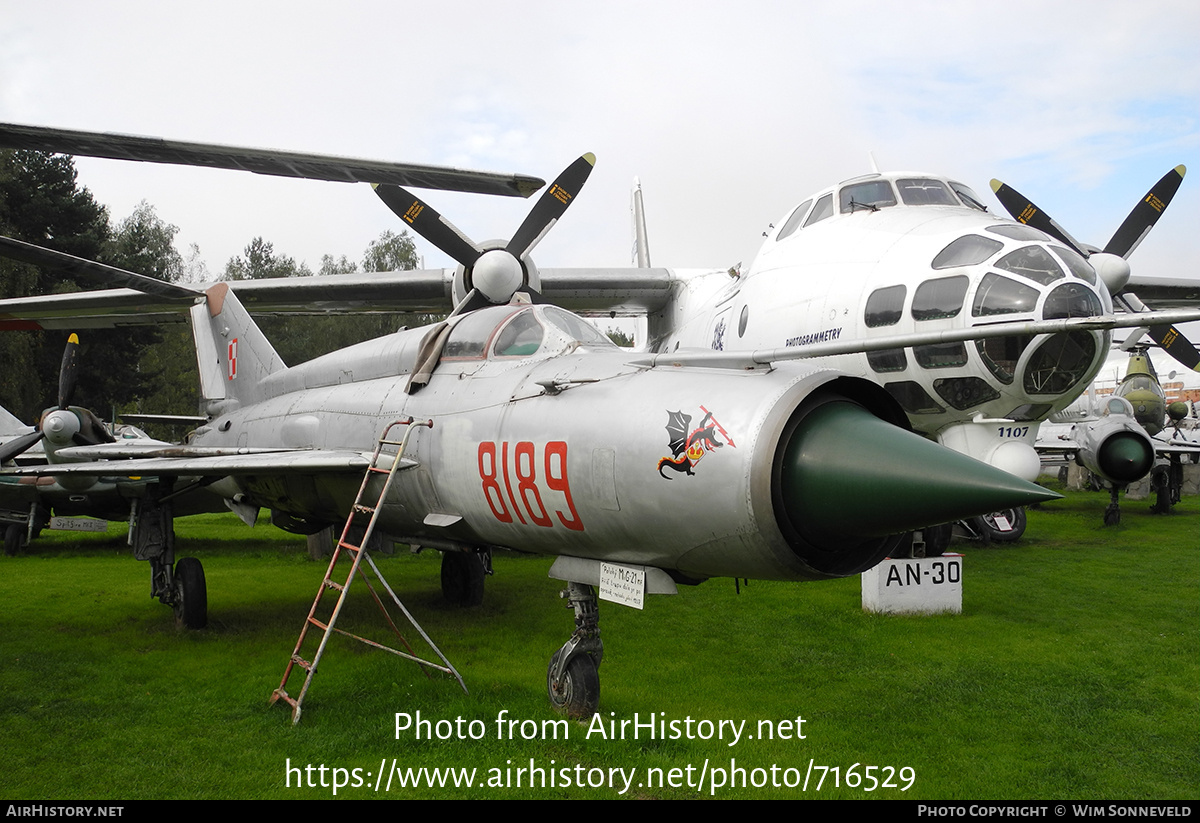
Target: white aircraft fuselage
{"type": "Point", "coordinates": [905, 253]}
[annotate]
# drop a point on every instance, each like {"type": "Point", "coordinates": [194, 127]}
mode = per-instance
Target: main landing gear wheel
{"type": "Point", "coordinates": [991, 527]}
{"type": "Point", "coordinates": [462, 577]}
{"type": "Point", "coordinates": [191, 594]}
{"type": "Point", "coordinates": [14, 539]}
{"type": "Point", "coordinates": [577, 692]}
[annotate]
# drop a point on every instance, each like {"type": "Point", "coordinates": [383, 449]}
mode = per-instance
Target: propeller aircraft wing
{"type": "Point", "coordinates": [263, 161]}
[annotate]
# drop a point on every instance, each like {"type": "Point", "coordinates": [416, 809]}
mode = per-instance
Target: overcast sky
{"type": "Point", "coordinates": [729, 113]}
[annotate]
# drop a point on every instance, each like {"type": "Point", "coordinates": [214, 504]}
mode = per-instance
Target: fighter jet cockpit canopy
{"type": "Point", "coordinates": [519, 332]}
{"type": "Point", "coordinates": [1118, 406]}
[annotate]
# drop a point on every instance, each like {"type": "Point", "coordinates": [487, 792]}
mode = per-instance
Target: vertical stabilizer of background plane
{"type": "Point", "coordinates": [232, 354]}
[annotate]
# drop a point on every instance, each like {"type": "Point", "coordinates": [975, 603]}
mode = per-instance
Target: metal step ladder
{"type": "Point", "coordinates": [359, 554]}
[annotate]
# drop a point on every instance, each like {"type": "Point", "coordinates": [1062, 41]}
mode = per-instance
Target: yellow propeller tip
{"type": "Point", "coordinates": [996, 184]}
{"type": "Point", "coordinates": [591, 158]}
{"type": "Point", "coordinates": [74, 338]}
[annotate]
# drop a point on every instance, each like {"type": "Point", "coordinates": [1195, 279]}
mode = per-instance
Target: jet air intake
{"type": "Point", "coordinates": [1122, 457]}
{"type": "Point", "coordinates": [848, 482]}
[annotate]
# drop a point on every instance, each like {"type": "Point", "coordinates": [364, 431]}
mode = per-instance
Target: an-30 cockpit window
{"type": "Point", "coordinates": [872, 196]}
{"type": "Point", "coordinates": [912, 398]}
{"type": "Point", "coordinates": [1029, 411]}
{"type": "Point", "coordinates": [1059, 363]}
{"type": "Point", "coordinates": [1000, 354]}
{"type": "Point", "coordinates": [793, 222]}
{"type": "Point", "coordinates": [968, 250]}
{"type": "Point", "coordinates": [1078, 266]}
{"type": "Point", "coordinates": [1033, 262]}
{"type": "Point", "coordinates": [1002, 295]}
{"type": "Point", "coordinates": [887, 360]}
{"type": "Point", "coordinates": [1072, 300]}
{"type": "Point", "coordinates": [922, 191]}
{"type": "Point", "coordinates": [964, 392]}
{"type": "Point", "coordinates": [823, 209]}
{"type": "Point", "coordinates": [967, 195]}
{"type": "Point", "coordinates": [1016, 232]}
{"type": "Point", "coordinates": [940, 298]}
{"type": "Point", "coordinates": [884, 306]}
{"type": "Point", "coordinates": [941, 355]}
{"type": "Point", "coordinates": [521, 337]}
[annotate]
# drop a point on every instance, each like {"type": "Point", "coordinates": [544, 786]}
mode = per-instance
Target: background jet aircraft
{"type": "Point", "coordinates": [1119, 438]}
{"type": "Point", "coordinates": [547, 438]}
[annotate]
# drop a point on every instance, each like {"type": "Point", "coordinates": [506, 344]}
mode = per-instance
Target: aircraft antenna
{"type": "Point", "coordinates": [641, 244]}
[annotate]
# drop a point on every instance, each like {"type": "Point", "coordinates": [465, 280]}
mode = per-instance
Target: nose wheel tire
{"type": "Point", "coordinates": [191, 594]}
{"type": "Point", "coordinates": [577, 693]}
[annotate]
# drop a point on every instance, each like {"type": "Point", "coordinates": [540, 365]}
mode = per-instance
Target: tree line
{"type": "Point", "coordinates": [145, 369]}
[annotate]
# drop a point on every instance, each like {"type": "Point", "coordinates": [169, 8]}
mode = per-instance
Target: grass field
{"type": "Point", "coordinates": [1073, 672]}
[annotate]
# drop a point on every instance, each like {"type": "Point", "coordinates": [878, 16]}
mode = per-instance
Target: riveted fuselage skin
{"type": "Point", "coordinates": [562, 452]}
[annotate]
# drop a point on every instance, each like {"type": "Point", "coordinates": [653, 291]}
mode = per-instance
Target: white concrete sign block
{"type": "Point", "coordinates": [924, 585]}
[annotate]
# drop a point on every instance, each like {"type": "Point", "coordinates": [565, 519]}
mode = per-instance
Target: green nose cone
{"type": "Point", "coordinates": [1126, 457]}
{"type": "Point", "coordinates": [846, 473]}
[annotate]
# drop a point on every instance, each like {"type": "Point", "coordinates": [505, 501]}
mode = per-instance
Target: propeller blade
{"type": "Point", "coordinates": [67, 372]}
{"type": "Point", "coordinates": [1139, 222]}
{"type": "Point", "coordinates": [1024, 211]}
{"type": "Point", "coordinates": [1169, 338]}
{"type": "Point", "coordinates": [1175, 344]}
{"type": "Point", "coordinates": [1145, 214]}
{"type": "Point", "coordinates": [550, 206]}
{"type": "Point", "coordinates": [19, 445]}
{"type": "Point", "coordinates": [428, 223]}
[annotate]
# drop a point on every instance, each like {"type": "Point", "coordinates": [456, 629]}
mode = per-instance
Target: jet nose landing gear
{"type": "Point", "coordinates": [573, 679]}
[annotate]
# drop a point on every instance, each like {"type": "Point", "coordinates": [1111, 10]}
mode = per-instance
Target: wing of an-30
{"type": "Point", "coordinates": [762, 433]}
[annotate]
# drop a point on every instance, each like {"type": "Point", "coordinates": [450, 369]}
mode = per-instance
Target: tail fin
{"type": "Point", "coordinates": [232, 353]}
